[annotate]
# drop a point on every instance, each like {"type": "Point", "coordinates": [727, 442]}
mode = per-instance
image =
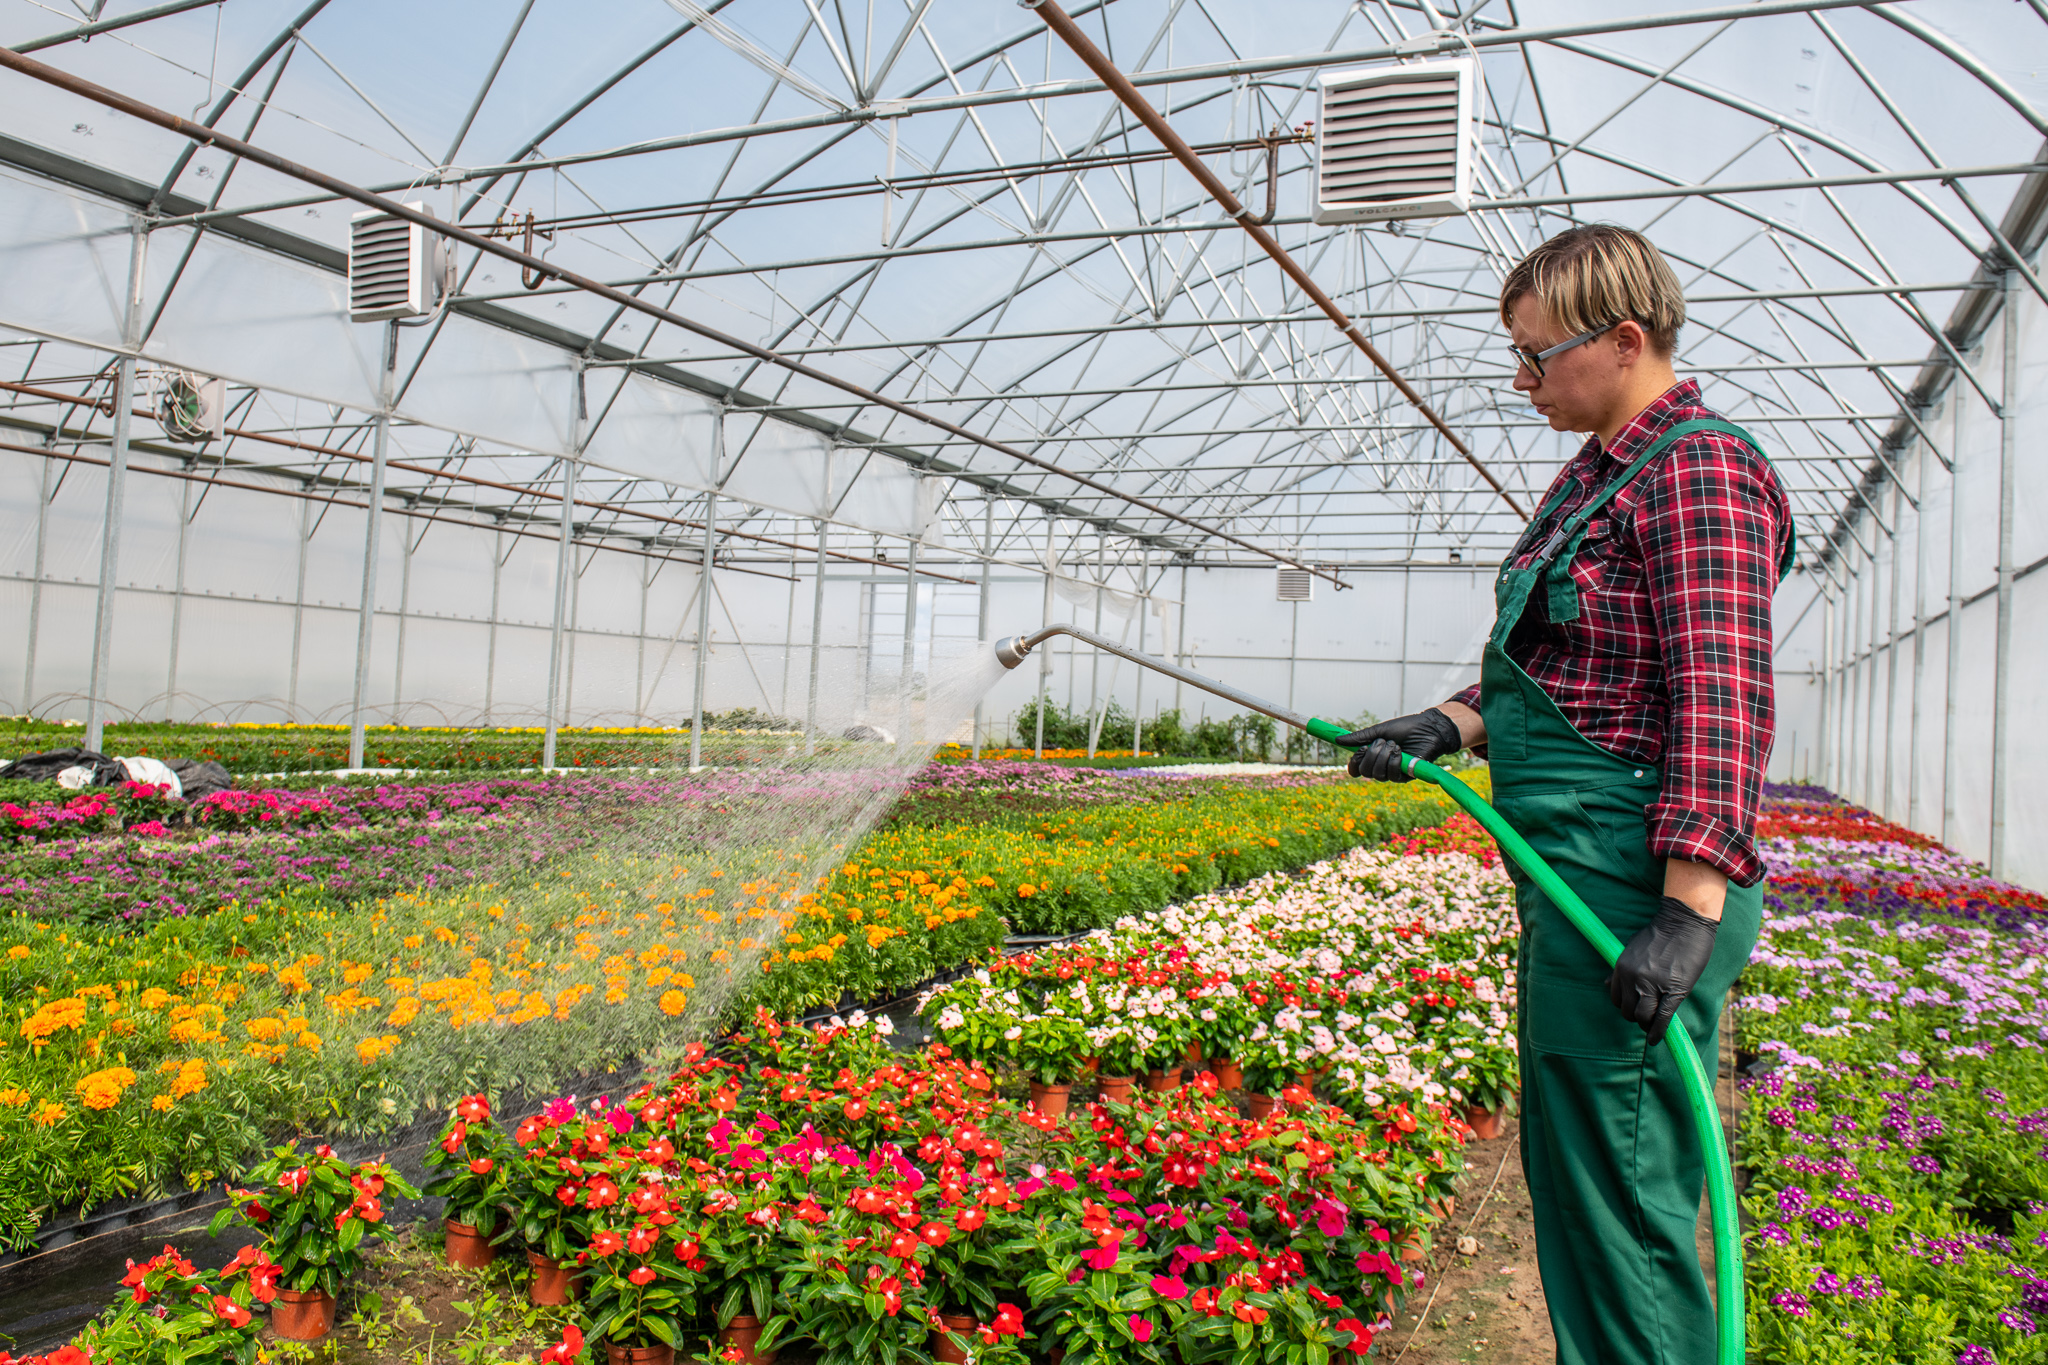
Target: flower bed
{"type": "Point", "coordinates": [299, 1009]}
{"type": "Point", "coordinates": [848, 1196]}
{"type": "Point", "coordinates": [1386, 976]}
{"type": "Point", "coordinates": [1897, 1167]}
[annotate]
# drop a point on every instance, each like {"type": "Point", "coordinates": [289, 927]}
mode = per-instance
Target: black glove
{"type": "Point", "coordinates": [1661, 964]}
{"type": "Point", "coordinates": [1426, 734]}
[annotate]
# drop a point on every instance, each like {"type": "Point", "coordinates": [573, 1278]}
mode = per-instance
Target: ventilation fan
{"type": "Point", "coordinates": [191, 407]}
{"type": "Point", "coordinates": [396, 268]}
{"type": "Point", "coordinates": [1397, 142]}
{"type": "Point", "coordinates": [1293, 585]}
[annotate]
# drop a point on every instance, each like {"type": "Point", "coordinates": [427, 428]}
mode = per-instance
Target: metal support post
{"type": "Point", "coordinates": [1180, 648]}
{"type": "Point", "coordinates": [565, 565]}
{"type": "Point", "coordinates": [2008, 477]}
{"type": "Point", "coordinates": [817, 643]}
{"type": "Point", "coordinates": [704, 566]}
{"type": "Point", "coordinates": [299, 608]}
{"type": "Point", "coordinates": [366, 623]}
{"type": "Point", "coordinates": [1919, 684]}
{"type": "Point", "coordinates": [491, 649]}
{"type": "Point", "coordinates": [406, 544]}
{"type": "Point", "coordinates": [1891, 656]}
{"type": "Point", "coordinates": [1045, 655]}
{"type": "Point", "coordinates": [178, 599]}
{"type": "Point", "coordinates": [909, 648]}
{"type": "Point", "coordinates": [1870, 675]}
{"type": "Point", "coordinates": [1097, 707]}
{"type": "Point", "coordinates": [117, 484]}
{"type": "Point", "coordinates": [1293, 654]}
{"type": "Point", "coordinates": [1950, 703]}
{"type": "Point", "coordinates": [1138, 684]}
{"type": "Point", "coordinates": [1827, 682]}
{"type": "Point", "coordinates": [648, 568]}
{"type": "Point", "coordinates": [44, 496]}
{"type": "Point", "coordinates": [988, 551]}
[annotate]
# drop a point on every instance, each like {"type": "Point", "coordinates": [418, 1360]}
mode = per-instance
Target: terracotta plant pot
{"type": "Point", "coordinates": [639, 1355]}
{"type": "Point", "coordinates": [1050, 1100]}
{"type": "Point", "coordinates": [943, 1348]}
{"type": "Point", "coordinates": [1116, 1088]}
{"type": "Point", "coordinates": [468, 1247]}
{"type": "Point", "coordinates": [1228, 1073]}
{"type": "Point", "coordinates": [1259, 1106]}
{"type": "Point", "coordinates": [553, 1284]}
{"type": "Point", "coordinates": [1194, 1054]}
{"type": "Point", "coordinates": [1089, 1065]}
{"type": "Point", "coordinates": [302, 1314]}
{"type": "Point", "coordinates": [1445, 1208]}
{"type": "Point", "coordinates": [1162, 1080]}
{"type": "Point", "coordinates": [1411, 1246]}
{"type": "Point", "coordinates": [1485, 1123]}
{"type": "Point", "coordinates": [744, 1331]}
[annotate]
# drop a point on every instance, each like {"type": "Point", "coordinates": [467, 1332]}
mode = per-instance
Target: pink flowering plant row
{"type": "Point", "coordinates": [1897, 1145]}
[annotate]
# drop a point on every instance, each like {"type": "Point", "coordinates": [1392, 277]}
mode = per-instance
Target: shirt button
{"type": "Point", "coordinates": [1639, 772]}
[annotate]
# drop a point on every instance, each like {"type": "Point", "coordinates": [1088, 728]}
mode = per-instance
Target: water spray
{"type": "Point", "coordinates": [1699, 1085]}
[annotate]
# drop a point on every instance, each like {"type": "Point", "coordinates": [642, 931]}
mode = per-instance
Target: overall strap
{"type": "Point", "coordinates": [1554, 561]}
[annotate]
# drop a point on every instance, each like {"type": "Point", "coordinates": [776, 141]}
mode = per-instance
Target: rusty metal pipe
{"type": "Point", "coordinates": [1120, 85]}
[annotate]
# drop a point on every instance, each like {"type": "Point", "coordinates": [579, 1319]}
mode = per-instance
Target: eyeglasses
{"type": "Point", "coordinates": [1534, 359]}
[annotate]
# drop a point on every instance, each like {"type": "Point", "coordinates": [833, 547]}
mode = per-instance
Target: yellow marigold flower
{"type": "Point", "coordinates": [68, 1012]}
{"type": "Point", "coordinates": [264, 1030]}
{"type": "Point", "coordinates": [310, 1041]}
{"type": "Point", "coordinates": [188, 1031]}
{"type": "Point", "coordinates": [191, 1079]}
{"type": "Point", "coordinates": [673, 1002]}
{"type": "Point", "coordinates": [103, 1089]}
{"type": "Point", "coordinates": [162, 1104]}
{"type": "Point", "coordinates": [371, 1049]}
{"type": "Point", "coordinates": [1027, 890]}
{"type": "Point", "coordinates": [50, 1114]}
{"type": "Point", "coordinates": [14, 1098]}
{"type": "Point", "coordinates": [155, 998]}
{"type": "Point", "coordinates": [18, 950]}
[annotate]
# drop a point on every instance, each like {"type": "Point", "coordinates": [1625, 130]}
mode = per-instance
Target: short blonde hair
{"type": "Point", "coordinates": [1595, 276]}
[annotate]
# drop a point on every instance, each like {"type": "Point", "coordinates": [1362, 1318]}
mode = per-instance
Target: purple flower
{"type": "Point", "coordinates": [1791, 1303]}
{"type": "Point", "coordinates": [1924, 1164]}
{"type": "Point", "coordinates": [2018, 1320]}
{"type": "Point", "coordinates": [1976, 1355]}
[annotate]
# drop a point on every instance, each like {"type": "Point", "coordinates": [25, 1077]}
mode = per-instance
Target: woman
{"type": "Point", "coordinates": [1625, 709]}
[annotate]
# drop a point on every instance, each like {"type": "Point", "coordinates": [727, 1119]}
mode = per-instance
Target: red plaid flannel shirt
{"type": "Point", "coordinates": [1669, 661]}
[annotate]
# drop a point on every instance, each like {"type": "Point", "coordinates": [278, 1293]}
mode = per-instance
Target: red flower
{"type": "Point", "coordinates": [936, 1233]}
{"type": "Point", "coordinates": [230, 1312]}
{"type": "Point", "coordinates": [1247, 1313]}
{"type": "Point", "coordinates": [483, 1165]}
{"type": "Point", "coordinates": [969, 1219]}
{"type": "Point", "coordinates": [606, 1243]}
{"type": "Point", "coordinates": [1009, 1320]}
{"type": "Point", "coordinates": [1141, 1328]}
{"type": "Point", "coordinates": [294, 1182]}
{"type": "Point", "coordinates": [641, 1274]}
{"type": "Point", "coordinates": [811, 1211]}
{"type": "Point", "coordinates": [473, 1109]}
{"type": "Point", "coordinates": [571, 1347]}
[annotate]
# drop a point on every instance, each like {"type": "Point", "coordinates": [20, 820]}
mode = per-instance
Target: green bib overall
{"type": "Point", "coordinates": [1608, 1146]}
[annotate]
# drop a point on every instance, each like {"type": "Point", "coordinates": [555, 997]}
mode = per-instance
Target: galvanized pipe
{"type": "Point", "coordinates": [1014, 649]}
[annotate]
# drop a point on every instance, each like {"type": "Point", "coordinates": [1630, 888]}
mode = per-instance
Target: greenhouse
{"type": "Point", "coordinates": [720, 647]}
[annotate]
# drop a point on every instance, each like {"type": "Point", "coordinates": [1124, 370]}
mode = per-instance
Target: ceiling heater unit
{"type": "Point", "coordinates": [396, 268]}
{"type": "Point", "coordinates": [1397, 142]}
{"type": "Point", "coordinates": [1294, 585]}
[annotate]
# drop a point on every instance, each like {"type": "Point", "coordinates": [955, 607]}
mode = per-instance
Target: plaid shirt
{"type": "Point", "coordinates": [1669, 661]}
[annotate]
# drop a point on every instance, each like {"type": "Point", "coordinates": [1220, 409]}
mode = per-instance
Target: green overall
{"type": "Point", "coordinates": [1608, 1145]}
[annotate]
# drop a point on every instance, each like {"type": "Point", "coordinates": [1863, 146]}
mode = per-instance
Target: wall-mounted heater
{"type": "Point", "coordinates": [1397, 141]}
{"type": "Point", "coordinates": [396, 268]}
{"type": "Point", "coordinates": [1293, 585]}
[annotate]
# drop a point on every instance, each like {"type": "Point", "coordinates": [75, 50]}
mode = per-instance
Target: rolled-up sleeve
{"type": "Point", "coordinates": [1710, 525]}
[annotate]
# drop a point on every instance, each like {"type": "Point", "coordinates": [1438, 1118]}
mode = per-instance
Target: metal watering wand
{"type": "Point", "coordinates": [1699, 1086]}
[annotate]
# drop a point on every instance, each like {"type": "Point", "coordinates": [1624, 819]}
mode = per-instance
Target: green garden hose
{"type": "Point", "coordinates": [1699, 1086]}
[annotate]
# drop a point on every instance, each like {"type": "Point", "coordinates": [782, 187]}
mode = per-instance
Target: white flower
{"type": "Point", "coordinates": [1014, 1032]}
